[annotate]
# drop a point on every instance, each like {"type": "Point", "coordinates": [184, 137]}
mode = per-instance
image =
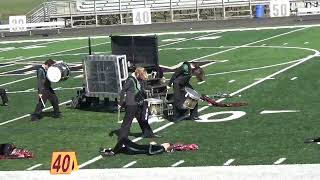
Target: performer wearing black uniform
{"type": "Point", "coordinates": [4, 97]}
{"type": "Point", "coordinates": [133, 89]}
{"type": "Point", "coordinates": [126, 146]}
{"type": "Point", "coordinates": [45, 92]}
{"type": "Point", "coordinates": [180, 79]}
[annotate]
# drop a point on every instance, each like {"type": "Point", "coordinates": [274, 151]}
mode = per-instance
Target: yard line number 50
{"type": "Point", "coordinates": [141, 16]}
{"type": "Point", "coordinates": [279, 8]}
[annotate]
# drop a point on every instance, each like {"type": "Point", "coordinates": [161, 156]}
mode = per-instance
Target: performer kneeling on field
{"type": "Point", "coordinates": [180, 79]}
{"type": "Point", "coordinates": [134, 105]}
{"type": "Point", "coordinates": [45, 92]}
{"type": "Point", "coordinates": [4, 97]}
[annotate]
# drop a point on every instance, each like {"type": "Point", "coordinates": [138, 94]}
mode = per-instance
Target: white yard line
{"type": "Point", "coordinates": [76, 54]}
{"type": "Point", "coordinates": [12, 75]}
{"type": "Point", "coordinates": [202, 108]}
{"type": "Point", "coordinates": [241, 46]}
{"type": "Point", "coordinates": [209, 64]}
{"type": "Point", "coordinates": [200, 47]}
{"type": "Point", "coordinates": [177, 163]}
{"type": "Point", "coordinates": [79, 76]}
{"type": "Point", "coordinates": [202, 66]}
{"type": "Point", "coordinates": [54, 53]}
{"type": "Point", "coordinates": [294, 78]}
{"type": "Point", "coordinates": [276, 73]}
{"type": "Point", "coordinates": [27, 115]}
{"type": "Point", "coordinates": [251, 69]}
{"type": "Point", "coordinates": [16, 119]}
{"type": "Point", "coordinates": [17, 63]}
{"type": "Point", "coordinates": [33, 167]}
{"type": "Point", "coordinates": [21, 69]}
{"type": "Point", "coordinates": [90, 162]}
{"type": "Point", "coordinates": [129, 164]}
{"type": "Point", "coordinates": [188, 39]}
{"type": "Point", "coordinates": [201, 82]}
{"type": "Point", "coordinates": [33, 90]}
{"type": "Point", "coordinates": [257, 79]}
{"type": "Point", "coordinates": [228, 162]}
{"type": "Point", "coordinates": [53, 39]}
{"type": "Point", "coordinates": [279, 161]}
{"type": "Point", "coordinates": [278, 111]}
{"type": "Point", "coordinates": [231, 81]}
{"type": "Point", "coordinates": [248, 44]}
{"type": "Point", "coordinates": [12, 82]}
{"type": "Point", "coordinates": [29, 46]}
{"type": "Point", "coordinates": [8, 65]}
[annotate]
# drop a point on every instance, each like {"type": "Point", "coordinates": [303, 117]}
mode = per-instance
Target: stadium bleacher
{"type": "Point", "coordinates": [111, 5]}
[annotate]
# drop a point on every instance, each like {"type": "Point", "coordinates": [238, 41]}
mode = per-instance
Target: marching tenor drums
{"type": "Point", "coordinates": [58, 72]}
{"type": "Point", "coordinates": [191, 100]}
{"type": "Point", "coordinates": [155, 107]}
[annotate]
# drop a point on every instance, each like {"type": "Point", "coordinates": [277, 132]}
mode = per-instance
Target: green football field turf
{"type": "Point", "coordinates": [274, 69]}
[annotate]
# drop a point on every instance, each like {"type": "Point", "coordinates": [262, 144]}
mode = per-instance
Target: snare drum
{"type": "Point", "coordinates": [191, 100]}
{"type": "Point", "coordinates": [58, 72]}
{"type": "Point", "coordinates": [155, 107]}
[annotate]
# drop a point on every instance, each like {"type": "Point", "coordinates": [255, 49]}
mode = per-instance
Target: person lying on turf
{"type": "Point", "coordinates": [126, 146]}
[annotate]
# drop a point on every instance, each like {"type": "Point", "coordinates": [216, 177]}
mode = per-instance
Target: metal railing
{"type": "Point", "coordinates": [97, 11]}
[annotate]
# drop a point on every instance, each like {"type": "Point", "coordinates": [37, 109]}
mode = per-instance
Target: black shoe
{"type": "Point", "coordinates": [59, 115]}
{"type": "Point", "coordinates": [152, 136]}
{"type": "Point", "coordinates": [194, 118]}
{"type": "Point", "coordinates": [314, 140]}
{"type": "Point", "coordinates": [106, 152]}
{"type": "Point", "coordinates": [35, 117]}
{"type": "Point", "coordinates": [116, 132]}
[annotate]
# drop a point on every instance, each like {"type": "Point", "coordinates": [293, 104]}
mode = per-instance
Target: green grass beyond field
{"type": "Point", "coordinates": [272, 70]}
{"type": "Point", "coordinates": [16, 7]}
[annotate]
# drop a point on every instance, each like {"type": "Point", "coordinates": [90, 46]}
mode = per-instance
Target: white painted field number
{"type": "Point", "coordinates": [233, 116]}
{"type": "Point", "coordinates": [17, 23]}
{"type": "Point", "coordinates": [141, 16]}
{"type": "Point", "coordinates": [279, 8]}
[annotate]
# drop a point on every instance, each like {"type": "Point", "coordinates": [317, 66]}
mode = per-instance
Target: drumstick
{"type": "Point", "coordinates": [118, 114]}
{"type": "Point", "coordinates": [42, 102]}
{"type": "Point", "coordinates": [166, 95]}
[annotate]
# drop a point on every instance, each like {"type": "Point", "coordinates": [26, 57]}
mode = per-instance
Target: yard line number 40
{"type": "Point", "coordinates": [141, 16]}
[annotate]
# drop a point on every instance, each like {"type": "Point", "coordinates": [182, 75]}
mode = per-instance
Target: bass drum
{"type": "Point", "coordinates": [58, 72]}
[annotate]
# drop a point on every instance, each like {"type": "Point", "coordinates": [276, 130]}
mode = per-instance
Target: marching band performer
{"type": "Point", "coordinates": [4, 97]}
{"type": "Point", "coordinates": [181, 79]}
{"type": "Point", "coordinates": [45, 92]}
{"type": "Point", "coordinates": [131, 98]}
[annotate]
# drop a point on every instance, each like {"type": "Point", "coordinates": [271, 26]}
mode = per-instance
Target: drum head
{"type": "Point", "coordinates": [54, 74]}
{"type": "Point", "coordinates": [154, 101]}
{"type": "Point", "coordinates": [192, 93]}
